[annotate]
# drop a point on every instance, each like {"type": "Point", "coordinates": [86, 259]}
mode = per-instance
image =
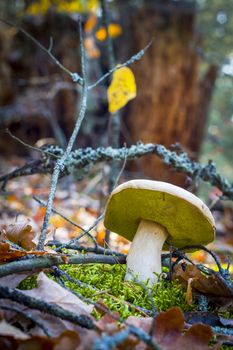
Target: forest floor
{"type": "Point", "coordinates": [121, 314]}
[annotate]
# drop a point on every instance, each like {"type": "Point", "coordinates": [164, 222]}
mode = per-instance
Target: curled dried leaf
{"type": "Point", "coordinates": [20, 233]}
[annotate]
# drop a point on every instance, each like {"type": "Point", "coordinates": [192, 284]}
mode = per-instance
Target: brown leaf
{"type": "Point", "coordinates": [170, 335]}
{"type": "Point", "coordinates": [8, 254]}
{"type": "Point", "coordinates": [20, 233]}
{"type": "Point", "coordinates": [199, 333]}
{"type": "Point", "coordinates": [52, 292]}
{"type": "Point", "coordinates": [212, 284]}
{"type": "Point", "coordinates": [4, 247]}
{"type": "Point", "coordinates": [140, 322]}
{"type": "Point", "coordinates": [68, 340]}
{"type": "Point", "coordinates": [168, 325]}
{"type": "Point", "coordinates": [108, 324]}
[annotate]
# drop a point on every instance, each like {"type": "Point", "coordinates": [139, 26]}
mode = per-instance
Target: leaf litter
{"type": "Point", "coordinates": [171, 329]}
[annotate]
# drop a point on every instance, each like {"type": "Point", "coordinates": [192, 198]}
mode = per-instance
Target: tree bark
{"type": "Point", "coordinates": [172, 100]}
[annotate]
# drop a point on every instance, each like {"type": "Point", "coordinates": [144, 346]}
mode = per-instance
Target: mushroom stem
{"type": "Point", "coordinates": [144, 257]}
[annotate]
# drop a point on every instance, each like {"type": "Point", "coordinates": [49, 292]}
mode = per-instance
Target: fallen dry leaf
{"type": "Point", "coordinates": [193, 278]}
{"type": "Point", "coordinates": [8, 254]}
{"type": "Point", "coordinates": [52, 292]}
{"type": "Point", "coordinates": [169, 332]}
{"type": "Point", "coordinates": [68, 340]}
{"type": "Point", "coordinates": [20, 233]}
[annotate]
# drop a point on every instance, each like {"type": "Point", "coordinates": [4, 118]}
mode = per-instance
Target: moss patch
{"type": "Point", "coordinates": [106, 283]}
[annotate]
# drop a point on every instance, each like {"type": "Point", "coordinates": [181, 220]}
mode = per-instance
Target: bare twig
{"type": "Point", "coordinates": [108, 342]}
{"type": "Point", "coordinates": [33, 148]}
{"type": "Point", "coordinates": [28, 316]}
{"type": "Point", "coordinates": [52, 309]}
{"type": "Point", "coordinates": [224, 273]}
{"type": "Point", "coordinates": [87, 232]}
{"type": "Point", "coordinates": [73, 243]}
{"type": "Point", "coordinates": [60, 164]}
{"type": "Point", "coordinates": [74, 76]}
{"type": "Point", "coordinates": [43, 204]}
{"type": "Point", "coordinates": [97, 250]}
{"type": "Point", "coordinates": [47, 261]}
{"type": "Point", "coordinates": [85, 158]}
{"type": "Point", "coordinates": [129, 62]}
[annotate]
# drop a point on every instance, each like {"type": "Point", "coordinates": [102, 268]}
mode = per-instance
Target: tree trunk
{"type": "Point", "coordinates": [172, 101]}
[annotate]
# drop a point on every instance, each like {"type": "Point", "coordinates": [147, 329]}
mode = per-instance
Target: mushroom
{"type": "Point", "coordinates": [154, 215]}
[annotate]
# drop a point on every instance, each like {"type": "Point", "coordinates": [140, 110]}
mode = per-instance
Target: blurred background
{"type": "Point", "coordinates": [184, 81]}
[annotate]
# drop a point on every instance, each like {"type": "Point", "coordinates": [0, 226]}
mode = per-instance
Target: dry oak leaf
{"type": "Point", "coordinates": [51, 292]}
{"type": "Point", "coordinates": [169, 332]}
{"type": "Point", "coordinates": [68, 340]}
{"type": "Point", "coordinates": [193, 278]}
{"type": "Point", "coordinates": [20, 233]}
{"type": "Point", "coordinates": [122, 89]}
{"type": "Point", "coordinates": [7, 253]}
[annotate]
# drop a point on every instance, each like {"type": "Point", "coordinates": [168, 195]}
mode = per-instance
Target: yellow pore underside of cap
{"type": "Point", "coordinates": [187, 219]}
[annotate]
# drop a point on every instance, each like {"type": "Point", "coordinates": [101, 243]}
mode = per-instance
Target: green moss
{"type": "Point", "coordinates": [28, 283]}
{"type": "Point", "coordinates": [226, 314]}
{"type": "Point", "coordinates": [106, 282]}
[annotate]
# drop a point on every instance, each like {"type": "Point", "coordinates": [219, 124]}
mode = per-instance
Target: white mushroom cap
{"type": "Point", "coordinates": [186, 218]}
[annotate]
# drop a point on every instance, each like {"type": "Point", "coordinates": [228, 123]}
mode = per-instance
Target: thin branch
{"type": "Point", "coordinates": [224, 273]}
{"type": "Point", "coordinates": [129, 62]}
{"type": "Point", "coordinates": [47, 261]}
{"type": "Point", "coordinates": [71, 244]}
{"type": "Point", "coordinates": [97, 250]}
{"type": "Point", "coordinates": [87, 232]}
{"type": "Point", "coordinates": [33, 148]}
{"type": "Point", "coordinates": [52, 309]}
{"type": "Point", "coordinates": [28, 316]}
{"type": "Point", "coordinates": [43, 204]}
{"type": "Point", "coordinates": [114, 121]}
{"type": "Point", "coordinates": [60, 164]}
{"type": "Point", "coordinates": [117, 179]}
{"type": "Point", "coordinates": [74, 76]}
{"type": "Point", "coordinates": [85, 158]}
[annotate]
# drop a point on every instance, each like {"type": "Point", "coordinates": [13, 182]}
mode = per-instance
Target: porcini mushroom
{"type": "Point", "coordinates": [154, 215]}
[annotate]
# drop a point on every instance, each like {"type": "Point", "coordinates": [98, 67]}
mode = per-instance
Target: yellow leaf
{"type": "Point", "coordinates": [40, 7]}
{"type": "Point", "coordinates": [79, 6]}
{"type": "Point", "coordinates": [122, 89]}
{"type": "Point", "coordinates": [101, 34]}
{"type": "Point", "coordinates": [114, 30]}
